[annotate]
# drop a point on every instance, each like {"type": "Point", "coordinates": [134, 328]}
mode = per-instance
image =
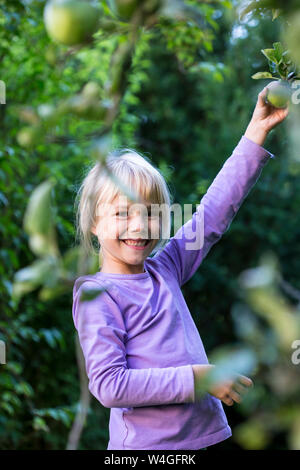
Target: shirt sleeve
{"type": "Point", "coordinates": [184, 252]}
{"type": "Point", "coordinates": [102, 337]}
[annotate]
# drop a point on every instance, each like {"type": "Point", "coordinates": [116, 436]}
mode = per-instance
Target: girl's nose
{"type": "Point", "coordinates": [139, 224]}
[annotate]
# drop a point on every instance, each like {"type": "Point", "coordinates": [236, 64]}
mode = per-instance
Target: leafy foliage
{"type": "Point", "coordinates": [182, 93]}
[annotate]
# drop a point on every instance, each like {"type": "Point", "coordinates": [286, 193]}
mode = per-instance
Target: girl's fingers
{"type": "Point", "coordinates": [228, 401]}
{"type": "Point", "coordinates": [286, 111]}
{"type": "Point", "coordinates": [245, 381]}
{"type": "Point", "coordinates": [235, 396]}
{"type": "Point", "coordinates": [232, 397]}
{"type": "Point", "coordinates": [240, 388]}
{"type": "Point", "coordinates": [262, 96]}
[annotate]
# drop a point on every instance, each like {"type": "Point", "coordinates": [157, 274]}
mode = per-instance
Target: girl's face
{"type": "Point", "coordinates": [118, 225]}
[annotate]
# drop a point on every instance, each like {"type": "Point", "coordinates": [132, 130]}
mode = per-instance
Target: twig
{"type": "Point", "coordinates": [75, 433]}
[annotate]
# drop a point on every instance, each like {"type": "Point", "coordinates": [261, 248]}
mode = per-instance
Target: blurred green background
{"type": "Point", "coordinates": [188, 101]}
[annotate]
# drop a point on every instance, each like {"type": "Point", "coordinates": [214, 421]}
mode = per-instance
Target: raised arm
{"type": "Point", "coordinates": [102, 336]}
{"type": "Point", "coordinates": [224, 197]}
{"type": "Point", "coordinates": [215, 212]}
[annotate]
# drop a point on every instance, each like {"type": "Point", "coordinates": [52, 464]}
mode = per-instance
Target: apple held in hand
{"type": "Point", "coordinates": [279, 93]}
{"type": "Point", "coordinates": [71, 22]}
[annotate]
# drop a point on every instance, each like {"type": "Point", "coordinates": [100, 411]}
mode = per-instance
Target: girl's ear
{"type": "Point", "coordinates": [93, 230]}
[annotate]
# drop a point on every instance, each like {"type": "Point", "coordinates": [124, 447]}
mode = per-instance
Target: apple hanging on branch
{"type": "Point", "coordinates": [71, 22]}
{"type": "Point", "coordinates": [125, 9]}
{"type": "Point", "coordinates": [280, 89]}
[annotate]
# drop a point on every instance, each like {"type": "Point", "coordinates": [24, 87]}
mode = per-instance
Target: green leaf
{"type": "Point", "coordinates": [49, 337]}
{"type": "Point", "coordinates": [259, 75]}
{"type": "Point", "coordinates": [25, 389]}
{"type": "Point", "coordinates": [270, 55]}
{"type": "Point", "coordinates": [275, 13]}
{"type": "Point", "coordinates": [278, 48]}
{"type": "Point", "coordinates": [283, 70]}
{"type": "Point", "coordinates": [39, 424]}
{"type": "Point", "coordinates": [50, 293]}
{"type": "Point", "coordinates": [27, 279]}
{"type": "Point", "coordinates": [64, 417]}
{"type": "Point", "coordinates": [35, 274]}
{"type": "Point", "coordinates": [240, 361]}
{"type": "Point", "coordinates": [71, 261]}
{"type": "Point", "coordinates": [38, 220]}
{"type": "Point", "coordinates": [38, 215]}
{"type": "Point", "coordinates": [8, 408]}
{"type": "Point", "coordinates": [42, 245]}
{"type": "Point", "coordinates": [14, 367]}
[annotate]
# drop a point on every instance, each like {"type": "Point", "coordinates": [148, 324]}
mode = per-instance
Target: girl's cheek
{"type": "Point", "coordinates": [121, 228]}
{"type": "Point", "coordinates": [154, 230]}
{"type": "Point", "coordinates": [107, 229]}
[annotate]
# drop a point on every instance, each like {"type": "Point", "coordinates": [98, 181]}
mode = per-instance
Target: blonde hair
{"type": "Point", "coordinates": [138, 175]}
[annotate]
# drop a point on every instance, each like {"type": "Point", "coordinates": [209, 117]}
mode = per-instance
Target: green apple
{"type": "Point", "coordinates": [87, 107]}
{"type": "Point", "coordinates": [279, 93]}
{"type": "Point", "coordinates": [71, 22]}
{"type": "Point", "coordinates": [28, 137]}
{"type": "Point", "coordinates": [123, 9]}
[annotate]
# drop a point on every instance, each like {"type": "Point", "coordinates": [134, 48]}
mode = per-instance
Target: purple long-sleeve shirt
{"type": "Point", "coordinates": [139, 339]}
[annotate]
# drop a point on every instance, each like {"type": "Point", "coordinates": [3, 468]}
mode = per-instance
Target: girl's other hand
{"type": "Point", "coordinates": [228, 391]}
{"type": "Point", "coordinates": [231, 391]}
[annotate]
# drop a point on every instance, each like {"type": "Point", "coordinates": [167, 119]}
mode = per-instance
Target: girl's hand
{"type": "Point", "coordinates": [228, 391]}
{"type": "Point", "coordinates": [232, 391]}
{"type": "Point", "coordinates": [265, 117]}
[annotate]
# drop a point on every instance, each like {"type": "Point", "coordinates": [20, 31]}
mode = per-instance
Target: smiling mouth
{"type": "Point", "coordinates": [136, 243]}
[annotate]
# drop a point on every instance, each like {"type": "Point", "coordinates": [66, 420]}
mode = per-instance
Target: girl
{"type": "Point", "coordinates": [143, 354]}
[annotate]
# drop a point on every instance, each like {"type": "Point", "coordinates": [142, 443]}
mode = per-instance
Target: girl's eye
{"type": "Point", "coordinates": [125, 214]}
